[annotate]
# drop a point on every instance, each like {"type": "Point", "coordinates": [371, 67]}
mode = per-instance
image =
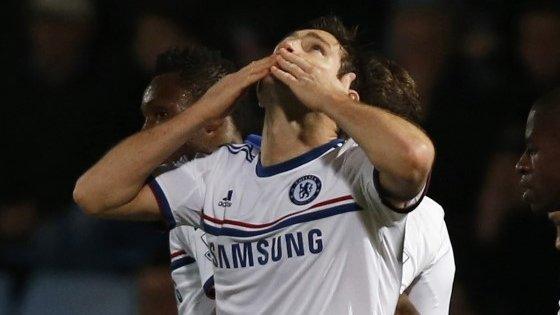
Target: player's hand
{"type": "Point", "coordinates": [311, 84]}
{"type": "Point", "coordinates": [220, 98]}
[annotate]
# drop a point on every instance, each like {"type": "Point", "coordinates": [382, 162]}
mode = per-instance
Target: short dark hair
{"type": "Point", "coordinates": [387, 85]}
{"type": "Point", "coordinates": [199, 68]}
{"type": "Point", "coordinates": [347, 39]}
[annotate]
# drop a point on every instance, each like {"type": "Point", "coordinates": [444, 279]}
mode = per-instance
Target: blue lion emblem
{"type": "Point", "coordinates": [308, 188]}
{"type": "Point", "coordinates": [304, 190]}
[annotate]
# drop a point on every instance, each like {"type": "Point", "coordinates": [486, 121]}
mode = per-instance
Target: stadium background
{"type": "Point", "coordinates": [74, 72]}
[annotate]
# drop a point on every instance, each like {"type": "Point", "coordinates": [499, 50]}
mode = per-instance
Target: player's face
{"type": "Point", "coordinates": [163, 99]}
{"type": "Point", "coordinates": [539, 165]}
{"type": "Point", "coordinates": [555, 218]}
{"type": "Point", "coordinates": [318, 47]}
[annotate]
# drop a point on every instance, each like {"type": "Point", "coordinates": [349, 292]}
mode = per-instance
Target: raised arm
{"type": "Point", "coordinates": [115, 185]}
{"type": "Point", "coordinates": [401, 152]}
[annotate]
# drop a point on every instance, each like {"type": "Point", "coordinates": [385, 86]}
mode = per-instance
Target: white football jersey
{"type": "Point", "coordinates": [428, 262]}
{"type": "Point", "coordinates": [192, 271]}
{"type": "Point", "coordinates": [307, 236]}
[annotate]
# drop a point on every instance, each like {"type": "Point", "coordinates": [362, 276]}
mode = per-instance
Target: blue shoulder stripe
{"type": "Point", "coordinates": [246, 148]}
{"type": "Point", "coordinates": [181, 262]}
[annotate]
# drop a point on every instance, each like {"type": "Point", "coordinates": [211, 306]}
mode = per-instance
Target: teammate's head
{"type": "Point", "coordinates": [540, 163]}
{"type": "Point", "coordinates": [181, 78]}
{"type": "Point", "coordinates": [387, 85]}
{"type": "Point", "coordinates": [324, 42]}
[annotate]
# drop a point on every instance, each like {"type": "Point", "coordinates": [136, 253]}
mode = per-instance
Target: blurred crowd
{"type": "Point", "coordinates": [75, 71]}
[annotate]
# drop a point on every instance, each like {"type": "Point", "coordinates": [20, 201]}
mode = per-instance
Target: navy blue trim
{"type": "Point", "coordinates": [208, 288]}
{"type": "Point", "coordinates": [383, 195]}
{"type": "Point", "coordinates": [163, 204]}
{"type": "Point", "coordinates": [297, 161]}
{"type": "Point", "coordinates": [182, 262]}
{"type": "Point", "coordinates": [253, 139]}
{"type": "Point", "coordinates": [291, 221]}
{"type": "Point", "coordinates": [247, 148]}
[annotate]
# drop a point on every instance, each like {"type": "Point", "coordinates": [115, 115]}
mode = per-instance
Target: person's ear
{"type": "Point", "coordinates": [354, 95]}
{"type": "Point", "coordinates": [347, 79]}
{"type": "Point", "coordinates": [213, 126]}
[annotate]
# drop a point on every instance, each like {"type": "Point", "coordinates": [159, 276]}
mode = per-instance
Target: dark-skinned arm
{"type": "Point", "coordinates": [115, 185]}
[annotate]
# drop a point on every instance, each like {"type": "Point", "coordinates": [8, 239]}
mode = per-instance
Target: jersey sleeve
{"type": "Point", "coordinates": [364, 180]}
{"type": "Point", "coordinates": [180, 192]}
{"type": "Point", "coordinates": [191, 243]}
{"type": "Point", "coordinates": [205, 262]}
{"type": "Point", "coordinates": [180, 251]}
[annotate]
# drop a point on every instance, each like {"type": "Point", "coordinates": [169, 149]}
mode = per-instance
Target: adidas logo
{"type": "Point", "coordinates": [226, 201]}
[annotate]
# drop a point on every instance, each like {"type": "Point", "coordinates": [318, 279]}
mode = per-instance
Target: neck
{"type": "Point", "coordinates": [287, 134]}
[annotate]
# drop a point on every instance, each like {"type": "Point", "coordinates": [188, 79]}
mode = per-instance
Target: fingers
{"type": "Point", "coordinates": [295, 59]}
{"type": "Point", "coordinates": [256, 76]}
{"type": "Point", "coordinates": [254, 71]}
{"type": "Point", "coordinates": [290, 67]}
{"type": "Point", "coordinates": [283, 76]}
{"type": "Point", "coordinates": [260, 65]}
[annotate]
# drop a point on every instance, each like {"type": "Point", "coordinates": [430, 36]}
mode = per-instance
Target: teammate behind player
{"type": "Point", "coordinates": [539, 166]}
{"type": "Point", "coordinates": [313, 224]}
{"type": "Point", "coordinates": [181, 78]}
{"type": "Point", "coordinates": [429, 265]}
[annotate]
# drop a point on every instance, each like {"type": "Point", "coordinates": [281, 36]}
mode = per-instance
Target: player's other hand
{"type": "Point", "coordinates": [311, 84]}
{"type": "Point", "coordinates": [220, 98]}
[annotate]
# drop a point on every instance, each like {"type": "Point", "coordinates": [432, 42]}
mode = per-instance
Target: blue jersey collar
{"type": "Point", "coordinates": [297, 161]}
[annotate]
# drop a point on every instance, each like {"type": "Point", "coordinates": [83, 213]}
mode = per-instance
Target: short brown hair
{"type": "Point", "coordinates": [346, 37]}
{"type": "Point", "coordinates": [387, 85]}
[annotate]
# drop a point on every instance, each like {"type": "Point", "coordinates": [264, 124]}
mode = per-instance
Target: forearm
{"type": "Point", "coordinates": [121, 173]}
{"type": "Point", "coordinates": [398, 149]}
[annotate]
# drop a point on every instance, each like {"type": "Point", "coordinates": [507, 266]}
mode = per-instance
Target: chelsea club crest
{"type": "Point", "coordinates": [305, 189]}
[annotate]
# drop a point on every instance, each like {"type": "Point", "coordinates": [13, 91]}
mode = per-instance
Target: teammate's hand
{"type": "Point", "coordinates": [220, 98]}
{"type": "Point", "coordinates": [311, 84]}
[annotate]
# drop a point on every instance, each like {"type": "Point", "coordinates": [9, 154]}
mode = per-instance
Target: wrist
{"type": "Point", "coordinates": [335, 102]}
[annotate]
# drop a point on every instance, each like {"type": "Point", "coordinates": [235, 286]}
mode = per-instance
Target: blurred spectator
{"type": "Point", "coordinates": [155, 33]}
{"type": "Point", "coordinates": [458, 115]}
{"type": "Point", "coordinates": [421, 43]}
{"type": "Point", "coordinates": [52, 104]}
{"type": "Point", "coordinates": [539, 47]}
{"type": "Point", "coordinates": [461, 112]}
{"type": "Point", "coordinates": [156, 291]}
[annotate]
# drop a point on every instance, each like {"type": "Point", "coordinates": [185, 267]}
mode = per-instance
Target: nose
{"type": "Point", "coordinates": [290, 44]}
{"type": "Point", "coordinates": [522, 166]}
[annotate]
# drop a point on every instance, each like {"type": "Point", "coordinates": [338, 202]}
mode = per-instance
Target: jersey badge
{"type": "Point", "coordinates": [305, 189]}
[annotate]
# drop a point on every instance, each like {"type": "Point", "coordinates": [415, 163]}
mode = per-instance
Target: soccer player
{"type": "Point", "coordinates": [539, 165]}
{"type": "Point", "coordinates": [428, 262]}
{"type": "Point", "coordinates": [308, 223]}
{"type": "Point", "coordinates": [181, 77]}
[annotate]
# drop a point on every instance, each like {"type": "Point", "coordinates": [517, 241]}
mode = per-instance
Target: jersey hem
{"type": "Point", "coordinates": [383, 195]}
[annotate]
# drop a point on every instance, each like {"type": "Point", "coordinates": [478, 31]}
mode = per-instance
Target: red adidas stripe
{"type": "Point", "coordinates": [256, 226]}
